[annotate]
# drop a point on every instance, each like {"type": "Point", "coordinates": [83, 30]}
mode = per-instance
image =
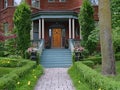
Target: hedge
{"type": "Point", "coordinates": [95, 80]}
{"type": "Point", "coordinates": [8, 81]}
{"type": "Point", "coordinates": [97, 59]}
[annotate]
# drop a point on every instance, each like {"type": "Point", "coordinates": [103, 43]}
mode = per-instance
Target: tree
{"type": "Point", "coordinates": [108, 60]}
{"type": "Point", "coordinates": [86, 21]}
{"type": "Point", "coordinates": [22, 21]}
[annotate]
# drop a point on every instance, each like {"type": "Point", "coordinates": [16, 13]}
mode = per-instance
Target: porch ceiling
{"type": "Point", "coordinates": [54, 15]}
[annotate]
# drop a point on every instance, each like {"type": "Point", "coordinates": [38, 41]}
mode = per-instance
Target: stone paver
{"type": "Point", "coordinates": [55, 79]}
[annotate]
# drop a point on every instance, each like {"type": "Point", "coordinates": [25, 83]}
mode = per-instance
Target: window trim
{"type": "Point", "coordinates": [5, 3]}
{"type": "Point", "coordinates": [35, 6]}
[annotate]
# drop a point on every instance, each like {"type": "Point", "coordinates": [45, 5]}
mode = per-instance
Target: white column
{"type": "Point", "coordinates": [69, 28]}
{"type": "Point", "coordinates": [31, 32]}
{"type": "Point", "coordinates": [39, 28]}
{"type": "Point", "coordinates": [42, 28]}
{"type": "Point", "coordinates": [73, 28]}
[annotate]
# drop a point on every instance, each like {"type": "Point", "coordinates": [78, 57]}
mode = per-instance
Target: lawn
{"type": "Point", "coordinates": [5, 70]}
{"type": "Point", "coordinates": [117, 77]}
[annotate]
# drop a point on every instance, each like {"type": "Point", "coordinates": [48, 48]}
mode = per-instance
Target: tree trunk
{"type": "Point", "coordinates": [108, 59]}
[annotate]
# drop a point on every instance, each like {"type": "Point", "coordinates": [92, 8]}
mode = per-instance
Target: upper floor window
{"type": "Point", "coordinates": [17, 2]}
{"type": "Point", "coordinates": [36, 3]}
{"type": "Point", "coordinates": [51, 0]}
{"type": "Point", "coordinates": [94, 2]}
{"type": "Point", "coordinates": [5, 3]}
{"type": "Point", "coordinates": [62, 0]}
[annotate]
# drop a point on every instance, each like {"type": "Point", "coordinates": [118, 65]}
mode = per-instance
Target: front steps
{"type": "Point", "coordinates": [55, 58]}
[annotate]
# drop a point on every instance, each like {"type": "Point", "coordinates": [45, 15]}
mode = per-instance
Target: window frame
{"type": "Point", "coordinates": [35, 3]}
{"type": "Point", "coordinates": [5, 3]}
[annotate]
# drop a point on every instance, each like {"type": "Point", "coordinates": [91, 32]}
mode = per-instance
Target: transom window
{"type": "Point", "coordinates": [5, 3]}
{"type": "Point", "coordinates": [36, 3]}
{"type": "Point", "coordinates": [62, 0]}
{"type": "Point", "coordinates": [51, 0]}
{"type": "Point", "coordinates": [17, 2]}
{"type": "Point", "coordinates": [94, 2]}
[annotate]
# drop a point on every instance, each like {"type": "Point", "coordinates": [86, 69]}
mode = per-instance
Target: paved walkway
{"type": "Point", "coordinates": [55, 79]}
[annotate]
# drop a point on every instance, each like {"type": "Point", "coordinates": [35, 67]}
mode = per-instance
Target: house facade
{"type": "Point", "coordinates": [55, 21]}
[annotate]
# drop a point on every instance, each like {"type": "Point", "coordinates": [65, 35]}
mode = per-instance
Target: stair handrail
{"type": "Point", "coordinates": [71, 45]}
{"type": "Point", "coordinates": [41, 46]}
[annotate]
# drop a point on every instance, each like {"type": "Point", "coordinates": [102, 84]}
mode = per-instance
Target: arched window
{"type": "Point", "coordinates": [17, 2]}
{"type": "Point", "coordinates": [36, 3]}
{"type": "Point", "coordinates": [5, 3]}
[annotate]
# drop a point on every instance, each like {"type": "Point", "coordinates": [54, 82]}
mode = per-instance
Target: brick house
{"type": "Point", "coordinates": [55, 21]}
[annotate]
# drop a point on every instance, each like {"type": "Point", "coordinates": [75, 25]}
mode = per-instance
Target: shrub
{"type": "Point", "coordinates": [8, 81]}
{"type": "Point", "coordinates": [89, 63]}
{"type": "Point", "coordinates": [95, 80]}
{"type": "Point", "coordinates": [11, 63]}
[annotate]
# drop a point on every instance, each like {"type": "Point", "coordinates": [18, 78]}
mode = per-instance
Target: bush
{"type": "Point", "coordinates": [8, 81]}
{"type": "Point", "coordinates": [89, 63]}
{"type": "Point", "coordinates": [11, 63]}
{"type": "Point", "coordinates": [95, 80]}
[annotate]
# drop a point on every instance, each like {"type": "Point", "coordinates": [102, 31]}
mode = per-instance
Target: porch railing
{"type": "Point", "coordinates": [41, 46]}
{"type": "Point", "coordinates": [71, 45]}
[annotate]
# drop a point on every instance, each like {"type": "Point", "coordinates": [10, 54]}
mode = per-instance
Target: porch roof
{"type": "Point", "coordinates": [54, 14]}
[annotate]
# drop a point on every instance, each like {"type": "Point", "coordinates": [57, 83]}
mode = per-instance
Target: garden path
{"type": "Point", "coordinates": [55, 79]}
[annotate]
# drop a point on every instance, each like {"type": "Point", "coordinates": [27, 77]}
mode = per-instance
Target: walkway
{"type": "Point", "coordinates": [55, 79]}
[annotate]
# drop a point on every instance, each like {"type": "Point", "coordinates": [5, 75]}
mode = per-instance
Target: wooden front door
{"type": "Point", "coordinates": [56, 38]}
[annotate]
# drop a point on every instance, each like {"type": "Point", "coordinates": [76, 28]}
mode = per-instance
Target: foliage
{"type": "Point", "coordinates": [15, 75]}
{"type": "Point", "coordinates": [93, 40]}
{"type": "Point", "coordinates": [22, 21]}
{"type": "Point", "coordinates": [115, 8]}
{"type": "Point", "coordinates": [11, 63]}
{"type": "Point", "coordinates": [86, 21]}
{"type": "Point", "coordinates": [28, 82]}
{"type": "Point", "coordinates": [116, 39]}
{"type": "Point", "coordinates": [76, 79]}
{"type": "Point", "coordinates": [94, 80]}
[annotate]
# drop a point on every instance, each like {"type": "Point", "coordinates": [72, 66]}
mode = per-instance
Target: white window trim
{"type": "Point", "coordinates": [34, 6]}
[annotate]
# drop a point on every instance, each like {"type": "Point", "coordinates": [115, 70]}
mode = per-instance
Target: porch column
{"type": "Point", "coordinates": [73, 28]}
{"type": "Point", "coordinates": [42, 28]}
{"type": "Point", "coordinates": [39, 29]}
{"type": "Point", "coordinates": [31, 32]}
{"type": "Point", "coordinates": [69, 28]}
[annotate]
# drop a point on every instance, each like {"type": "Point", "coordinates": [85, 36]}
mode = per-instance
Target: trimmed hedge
{"type": "Point", "coordinates": [11, 62]}
{"type": "Point", "coordinates": [97, 59]}
{"type": "Point", "coordinates": [8, 81]}
{"type": "Point", "coordinates": [95, 80]}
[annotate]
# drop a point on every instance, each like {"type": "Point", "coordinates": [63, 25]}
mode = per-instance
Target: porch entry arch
{"type": "Point", "coordinates": [57, 35]}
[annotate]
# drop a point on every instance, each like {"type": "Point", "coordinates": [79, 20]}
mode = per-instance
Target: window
{"type": "Point", "coordinates": [51, 0]}
{"type": "Point", "coordinates": [5, 3]}
{"type": "Point", "coordinates": [62, 0]}
{"type": "Point", "coordinates": [17, 2]}
{"type": "Point", "coordinates": [5, 28]}
{"type": "Point", "coordinates": [94, 2]}
{"type": "Point", "coordinates": [36, 3]}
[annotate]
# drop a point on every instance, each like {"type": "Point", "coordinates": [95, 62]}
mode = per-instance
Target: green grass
{"type": "Point", "coordinates": [76, 79]}
{"type": "Point", "coordinates": [29, 81]}
{"type": "Point", "coordinates": [5, 70]}
{"type": "Point", "coordinates": [117, 77]}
